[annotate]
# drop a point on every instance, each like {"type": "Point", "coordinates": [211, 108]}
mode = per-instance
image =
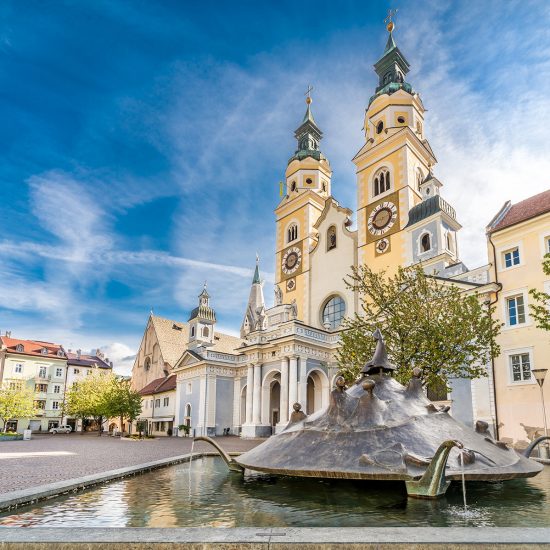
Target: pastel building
{"type": "Point", "coordinates": [518, 237]}
{"type": "Point", "coordinates": [286, 352]}
{"type": "Point", "coordinates": [42, 368]}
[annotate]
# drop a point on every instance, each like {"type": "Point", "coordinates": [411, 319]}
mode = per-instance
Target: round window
{"type": "Point", "coordinates": [309, 181]}
{"type": "Point", "coordinates": [401, 119]}
{"type": "Point", "coordinates": [333, 312]}
{"type": "Point", "coordinates": [379, 127]}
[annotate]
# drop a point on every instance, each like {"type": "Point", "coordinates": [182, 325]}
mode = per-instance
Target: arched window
{"type": "Point", "coordinates": [379, 127]}
{"type": "Point", "coordinates": [333, 312]}
{"type": "Point", "coordinates": [425, 244]}
{"type": "Point", "coordinates": [188, 410]}
{"type": "Point", "coordinates": [381, 182]}
{"type": "Point", "coordinates": [192, 332]}
{"type": "Point", "coordinates": [19, 347]}
{"type": "Point", "coordinates": [147, 363]}
{"type": "Point", "coordinates": [419, 178]}
{"type": "Point", "coordinates": [331, 237]}
{"type": "Point", "coordinates": [449, 242]}
{"type": "Point", "coordinates": [293, 186]}
{"type": "Point", "coordinates": [292, 233]}
{"type": "Point", "coordinates": [205, 332]}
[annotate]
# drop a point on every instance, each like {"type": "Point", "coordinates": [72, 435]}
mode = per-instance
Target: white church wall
{"type": "Point", "coordinates": [329, 267]}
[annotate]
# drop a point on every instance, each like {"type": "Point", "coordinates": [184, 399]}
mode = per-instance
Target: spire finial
{"type": "Point", "coordinates": [205, 285]}
{"type": "Point", "coordinates": [257, 258]}
{"type": "Point", "coordinates": [308, 94]}
{"type": "Point", "coordinates": [390, 25]}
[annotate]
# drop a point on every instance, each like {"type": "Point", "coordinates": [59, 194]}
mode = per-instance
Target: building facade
{"type": "Point", "coordinates": [286, 353]}
{"type": "Point", "coordinates": [40, 367]}
{"type": "Point", "coordinates": [518, 237]}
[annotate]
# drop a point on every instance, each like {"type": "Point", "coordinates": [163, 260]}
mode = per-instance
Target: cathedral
{"type": "Point", "coordinates": [285, 355]}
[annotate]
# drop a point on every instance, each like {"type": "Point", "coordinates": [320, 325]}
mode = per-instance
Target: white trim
{"type": "Point", "coordinates": [384, 165]}
{"type": "Point", "coordinates": [419, 242]}
{"type": "Point", "coordinates": [293, 221]}
{"type": "Point", "coordinates": [518, 351]}
{"type": "Point", "coordinates": [544, 243]}
{"type": "Point", "coordinates": [509, 294]}
{"type": "Point", "coordinates": [501, 250]}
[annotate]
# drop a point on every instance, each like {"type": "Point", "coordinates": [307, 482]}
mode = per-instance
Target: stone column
{"type": "Point", "coordinates": [302, 396]}
{"type": "Point", "coordinates": [292, 383]}
{"type": "Point", "coordinates": [249, 390]}
{"type": "Point", "coordinates": [283, 409]}
{"type": "Point", "coordinates": [257, 398]}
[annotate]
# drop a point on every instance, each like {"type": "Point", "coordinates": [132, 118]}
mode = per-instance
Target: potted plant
{"type": "Point", "coordinates": [183, 430]}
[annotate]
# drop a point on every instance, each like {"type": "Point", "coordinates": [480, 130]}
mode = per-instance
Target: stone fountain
{"type": "Point", "coordinates": [380, 430]}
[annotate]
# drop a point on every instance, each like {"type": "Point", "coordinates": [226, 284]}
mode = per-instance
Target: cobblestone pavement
{"type": "Point", "coordinates": [50, 458]}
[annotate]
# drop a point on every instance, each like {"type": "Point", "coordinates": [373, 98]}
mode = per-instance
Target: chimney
{"type": "Point", "coordinates": [111, 364]}
{"type": "Point", "coordinates": [78, 353]}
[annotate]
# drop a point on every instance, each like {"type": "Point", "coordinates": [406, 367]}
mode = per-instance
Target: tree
{"type": "Point", "coordinates": [124, 402]}
{"type": "Point", "coordinates": [426, 323]}
{"type": "Point", "coordinates": [15, 402]}
{"type": "Point", "coordinates": [541, 310]}
{"type": "Point", "coordinates": [89, 398]}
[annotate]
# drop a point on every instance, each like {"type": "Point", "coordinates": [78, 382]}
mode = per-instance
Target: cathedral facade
{"type": "Point", "coordinates": [286, 353]}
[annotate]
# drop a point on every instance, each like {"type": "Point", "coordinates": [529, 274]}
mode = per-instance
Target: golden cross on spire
{"type": "Point", "coordinates": [389, 20]}
{"type": "Point", "coordinates": [308, 93]}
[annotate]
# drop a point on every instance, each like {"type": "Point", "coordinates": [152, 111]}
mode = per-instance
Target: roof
{"type": "Point", "coordinates": [172, 337]}
{"type": "Point", "coordinates": [160, 385]}
{"type": "Point", "coordinates": [83, 360]}
{"type": "Point", "coordinates": [173, 341]}
{"type": "Point", "coordinates": [33, 347]}
{"type": "Point", "coordinates": [523, 211]}
{"type": "Point", "coordinates": [428, 207]}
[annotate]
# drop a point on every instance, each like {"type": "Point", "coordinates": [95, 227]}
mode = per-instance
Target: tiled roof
{"type": "Point", "coordinates": [524, 210]}
{"type": "Point", "coordinates": [86, 361]}
{"type": "Point", "coordinates": [166, 383]}
{"type": "Point", "coordinates": [33, 347]}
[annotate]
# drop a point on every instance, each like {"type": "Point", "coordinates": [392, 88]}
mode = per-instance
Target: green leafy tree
{"type": "Point", "coordinates": [90, 398]}
{"type": "Point", "coordinates": [541, 309]}
{"type": "Point", "coordinates": [15, 402]}
{"type": "Point", "coordinates": [124, 402]}
{"type": "Point", "coordinates": [426, 323]}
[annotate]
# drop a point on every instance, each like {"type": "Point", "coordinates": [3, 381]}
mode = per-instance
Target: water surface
{"type": "Point", "coordinates": [213, 496]}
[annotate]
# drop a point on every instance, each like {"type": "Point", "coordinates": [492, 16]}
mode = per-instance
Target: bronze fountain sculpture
{"type": "Point", "coordinates": [380, 430]}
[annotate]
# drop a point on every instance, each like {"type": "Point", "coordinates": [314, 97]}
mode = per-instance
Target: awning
{"type": "Point", "coordinates": [161, 419]}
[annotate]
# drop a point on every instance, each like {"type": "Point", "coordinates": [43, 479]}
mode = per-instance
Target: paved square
{"type": "Point", "coordinates": [51, 458]}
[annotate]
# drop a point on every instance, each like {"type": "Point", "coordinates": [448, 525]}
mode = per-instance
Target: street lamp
{"type": "Point", "coordinates": [539, 377]}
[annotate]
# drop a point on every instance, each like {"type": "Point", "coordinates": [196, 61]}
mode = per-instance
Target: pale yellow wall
{"type": "Point", "coordinates": [329, 267]}
{"type": "Point", "coordinates": [519, 403]}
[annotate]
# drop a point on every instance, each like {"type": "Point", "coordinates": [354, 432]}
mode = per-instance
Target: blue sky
{"type": "Point", "coordinates": [142, 142]}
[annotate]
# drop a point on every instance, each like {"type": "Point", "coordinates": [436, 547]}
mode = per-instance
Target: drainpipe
{"type": "Point", "coordinates": [499, 288]}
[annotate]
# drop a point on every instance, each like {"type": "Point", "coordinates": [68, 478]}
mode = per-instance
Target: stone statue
{"type": "Point", "coordinates": [278, 296]}
{"type": "Point", "coordinates": [293, 309]}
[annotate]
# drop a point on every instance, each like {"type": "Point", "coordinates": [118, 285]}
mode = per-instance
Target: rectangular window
{"type": "Point", "coordinates": [55, 405]}
{"type": "Point", "coordinates": [40, 404]}
{"type": "Point", "coordinates": [57, 389]}
{"type": "Point", "coordinates": [189, 388]}
{"type": "Point", "coordinates": [511, 257]}
{"type": "Point", "coordinates": [15, 385]}
{"type": "Point", "coordinates": [59, 372]}
{"type": "Point", "coordinates": [19, 368]}
{"type": "Point", "coordinates": [516, 310]}
{"type": "Point", "coordinates": [76, 371]}
{"type": "Point", "coordinates": [547, 245]}
{"type": "Point", "coordinates": [520, 365]}
{"type": "Point", "coordinates": [42, 372]}
{"type": "Point", "coordinates": [151, 403]}
{"type": "Point", "coordinates": [166, 401]}
{"type": "Point", "coordinates": [41, 388]}
{"type": "Point", "coordinates": [157, 402]}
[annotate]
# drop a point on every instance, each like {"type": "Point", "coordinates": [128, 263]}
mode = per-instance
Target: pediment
{"type": "Point", "coordinates": [188, 359]}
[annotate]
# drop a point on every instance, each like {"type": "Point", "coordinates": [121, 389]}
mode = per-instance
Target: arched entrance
{"type": "Point", "coordinates": [271, 398]}
{"type": "Point", "coordinates": [317, 391]}
{"type": "Point", "coordinates": [187, 418]}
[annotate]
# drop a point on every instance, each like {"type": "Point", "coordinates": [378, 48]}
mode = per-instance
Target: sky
{"type": "Point", "coordinates": [142, 142]}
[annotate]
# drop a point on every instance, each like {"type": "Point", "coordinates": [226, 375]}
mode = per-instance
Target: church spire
{"type": "Point", "coordinates": [308, 135]}
{"type": "Point", "coordinates": [392, 67]}
{"type": "Point", "coordinates": [254, 317]}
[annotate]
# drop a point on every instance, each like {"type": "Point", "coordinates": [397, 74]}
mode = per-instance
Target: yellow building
{"type": "Point", "coordinates": [518, 238]}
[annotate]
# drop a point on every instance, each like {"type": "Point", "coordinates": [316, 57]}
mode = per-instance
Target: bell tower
{"type": "Point", "coordinates": [308, 180]}
{"type": "Point", "coordinates": [392, 164]}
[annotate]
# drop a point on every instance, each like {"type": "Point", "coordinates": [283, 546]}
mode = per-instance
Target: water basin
{"type": "Point", "coordinates": [218, 498]}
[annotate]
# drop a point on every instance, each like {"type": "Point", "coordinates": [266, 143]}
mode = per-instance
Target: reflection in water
{"type": "Point", "coordinates": [215, 497]}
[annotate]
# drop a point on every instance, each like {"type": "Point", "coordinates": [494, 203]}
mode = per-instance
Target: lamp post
{"type": "Point", "coordinates": [539, 375]}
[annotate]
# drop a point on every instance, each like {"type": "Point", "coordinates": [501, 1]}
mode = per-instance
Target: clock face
{"type": "Point", "coordinates": [382, 246]}
{"type": "Point", "coordinates": [291, 260]}
{"type": "Point", "coordinates": [382, 218]}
